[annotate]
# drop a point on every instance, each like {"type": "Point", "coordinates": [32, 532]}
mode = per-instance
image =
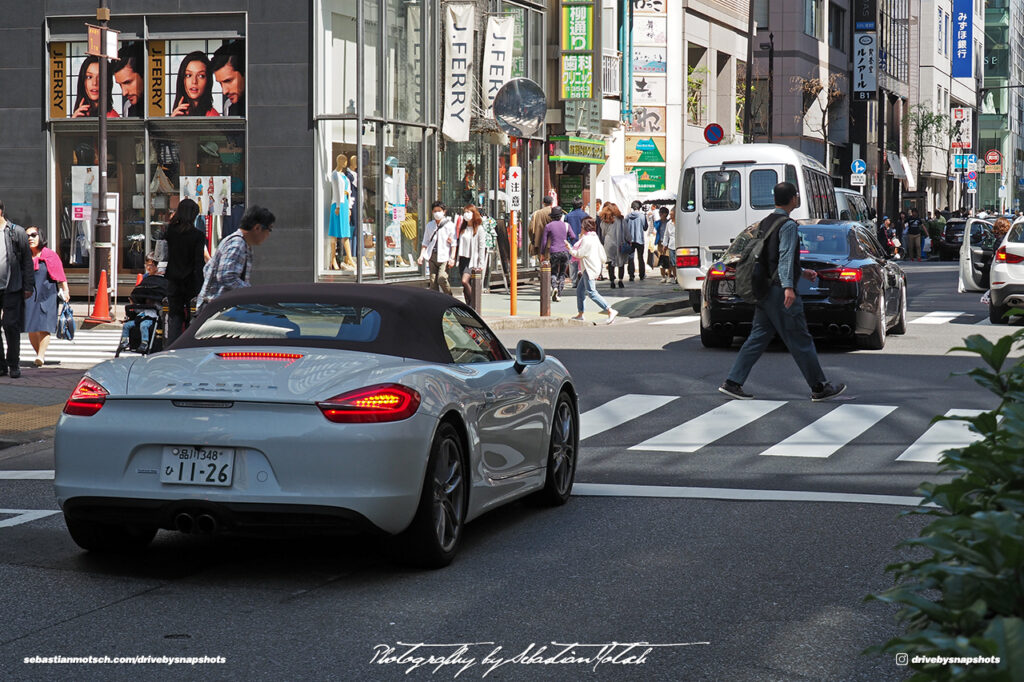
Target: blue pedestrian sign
{"type": "Point", "coordinates": [858, 166]}
{"type": "Point", "coordinates": [972, 158]}
{"type": "Point", "coordinates": [972, 185]}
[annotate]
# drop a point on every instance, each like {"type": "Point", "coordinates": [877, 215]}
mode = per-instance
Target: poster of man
{"type": "Point", "coordinates": [200, 78]}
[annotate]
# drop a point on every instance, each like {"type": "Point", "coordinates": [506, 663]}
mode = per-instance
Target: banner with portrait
{"type": "Point", "coordinates": [196, 78]}
{"type": "Point", "coordinates": [164, 78]}
{"type": "Point", "coordinates": [74, 81]}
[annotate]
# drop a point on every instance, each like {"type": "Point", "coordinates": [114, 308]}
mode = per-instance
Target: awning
{"type": "Point", "coordinates": [900, 167]}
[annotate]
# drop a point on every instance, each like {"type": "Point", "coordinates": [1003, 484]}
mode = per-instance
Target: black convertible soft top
{"type": "Point", "coordinates": [410, 317]}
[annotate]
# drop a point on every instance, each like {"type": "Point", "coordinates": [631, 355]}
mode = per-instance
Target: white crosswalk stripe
{"type": "Point", "coordinates": [941, 436]}
{"type": "Point", "coordinates": [619, 411]}
{"type": "Point", "coordinates": [831, 432]}
{"type": "Point", "coordinates": [710, 426]}
{"type": "Point", "coordinates": [682, 319]}
{"type": "Point", "coordinates": [89, 347]}
{"type": "Point", "coordinates": [937, 317]}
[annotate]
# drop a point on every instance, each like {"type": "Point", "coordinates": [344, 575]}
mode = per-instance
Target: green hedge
{"type": "Point", "coordinates": [966, 599]}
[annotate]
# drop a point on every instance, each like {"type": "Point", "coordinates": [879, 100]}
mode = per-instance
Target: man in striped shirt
{"type": "Point", "coordinates": [231, 267]}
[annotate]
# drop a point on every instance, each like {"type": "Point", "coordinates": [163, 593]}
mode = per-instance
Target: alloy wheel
{"type": "Point", "coordinates": [448, 495]}
{"type": "Point", "coordinates": [563, 448]}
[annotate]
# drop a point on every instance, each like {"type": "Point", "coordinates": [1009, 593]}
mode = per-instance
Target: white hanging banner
{"type": "Point", "coordinates": [497, 58]}
{"type": "Point", "coordinates": [458, 70]}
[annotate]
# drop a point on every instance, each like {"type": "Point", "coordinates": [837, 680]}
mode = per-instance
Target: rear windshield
{"type": "Point", "coordinates": [298, 321]}
{"type": "Point", "coordinates": [823, 241]}
{"type": "Point", "coordinates": [1016, 233]}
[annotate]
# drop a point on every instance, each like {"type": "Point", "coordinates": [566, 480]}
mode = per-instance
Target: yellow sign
{"type": "Point", "coordinates": [157, 75]}
{"type": "Point", "coordinates": [58, 80]}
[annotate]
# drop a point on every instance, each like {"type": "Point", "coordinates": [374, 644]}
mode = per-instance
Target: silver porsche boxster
{"type": "Point", "coordinates": [326, 407]}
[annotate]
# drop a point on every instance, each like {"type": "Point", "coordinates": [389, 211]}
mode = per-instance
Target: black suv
{"type": "Point", "coordinates": [951, 238]}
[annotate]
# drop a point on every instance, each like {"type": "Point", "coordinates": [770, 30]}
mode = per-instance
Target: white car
{"type": "Point", "coordinates": [326, 407]}
{"type": "Point", "coordinates": [1007, 275]}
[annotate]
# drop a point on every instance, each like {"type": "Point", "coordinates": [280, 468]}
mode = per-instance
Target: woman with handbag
{"type": "Point", "coordinates": [616, 241]}
{"type": "Point", "coordinates": [51, 283]}
{"type": "Point", "coordinates": [185, 260]}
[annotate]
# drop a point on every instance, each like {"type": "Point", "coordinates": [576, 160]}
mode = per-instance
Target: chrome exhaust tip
{"type": "Point", "coordinates": [206, 524]}
{"type": "Point", "coordinates": [184, 523]}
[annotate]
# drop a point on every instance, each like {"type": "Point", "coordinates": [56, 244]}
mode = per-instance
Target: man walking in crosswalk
{"type": "Point", "coordinates": [782, 311]}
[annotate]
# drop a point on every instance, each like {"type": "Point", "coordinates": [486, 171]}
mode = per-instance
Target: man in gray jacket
{"type": "Point", "coordinates": [634, 227]}
{"type": "Point", "coordinates": [17, 281]}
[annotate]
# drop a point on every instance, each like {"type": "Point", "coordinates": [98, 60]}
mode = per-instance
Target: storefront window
{"type": "Point", "coordinates": [336, 88]}
{"type": "Point", "coordinates": [371, 61]}
{"type": "Point", "coordinates": [404, 55]}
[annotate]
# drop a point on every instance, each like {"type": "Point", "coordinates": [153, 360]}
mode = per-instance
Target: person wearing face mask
{"type": "Point", "coordinates": [438, 248]}
{"type": "Point", "coordinates": [472, 249]}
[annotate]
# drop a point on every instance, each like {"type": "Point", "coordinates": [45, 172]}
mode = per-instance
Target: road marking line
{"type": "Point", "coordinates": [831, 432]}
{"type": "Point", "coordinates": [941, 436]}
{"type": "Point", "coordinates": [619, 411]}
{"type": "Point", "coordinates": [937, 317]}
{"type": "Point", "coordinates": [710, 426]}
{"type": "Point", "coordinates": [679, 320]}
{"type": "Point", "coordinates": [742, 494]}
{"type": "Point", "coordinates": [24, 516]}
{"type": "Point", "coordinates": [27, 475]}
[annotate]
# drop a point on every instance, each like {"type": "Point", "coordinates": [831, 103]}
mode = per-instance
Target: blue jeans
{"type": "Point", "coordinates": [585, 289]}
{"type": "Point", "coordinates": [771, 316]}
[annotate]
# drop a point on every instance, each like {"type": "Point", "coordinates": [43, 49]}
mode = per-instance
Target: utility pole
{"type": "Point", "coordinates": [746, 85]}
{"type": "Point", "coordinates": [101, 240]}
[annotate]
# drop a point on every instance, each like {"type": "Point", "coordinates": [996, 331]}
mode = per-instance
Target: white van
{"type": "Point", "coordinates": [853, 206]}
{"type": "Point", "coordinates": [726, 188]}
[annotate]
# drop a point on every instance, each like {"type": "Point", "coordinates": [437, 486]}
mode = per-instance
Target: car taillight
{"type": "Point", "coordinates": [1004, 257]}
{"type": "Point", "coordinates": [260, 355]}
{"type": "Point", "coordinates": [688, 258]}
{"type": "Point", "coordinates": [87, 399]}
{"type": "Point", "coordinates": [842, 274]}
{"type": "Point", "coordinates": [381, 403]}
{"type": "Point", "coordinates": [721, 271]}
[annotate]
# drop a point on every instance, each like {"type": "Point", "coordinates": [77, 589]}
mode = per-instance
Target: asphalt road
{"type": "Point", "coordinates": [755, 589]}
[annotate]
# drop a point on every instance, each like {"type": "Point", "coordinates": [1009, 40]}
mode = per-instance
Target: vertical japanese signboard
{"type": "Point", "coordinates": [864, 15]}
{"type": "Point", "coordinates": [865, 74]}
{"type": "Point", "coordinates": [963, 39]}
{"type": "Point", "coordinates": [576, 63]}
{"type": "Point", "coordinates": [960, 119]}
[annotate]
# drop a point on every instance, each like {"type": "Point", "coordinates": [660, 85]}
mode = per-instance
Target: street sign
{"type": "Point", "coordinates": [959, 161]}
{"type": "Point", "coordinates": [514, 188]}
{"type": "Point", "coordinates": [858, 167]}
{"type": "Point", "coordinates": [713, 133]}
{"type": "Point", "coordinates": [993, 157]}
{"type": "Point", "coordinates": [972, 165]}
{"type": "Point", "coordinates": [972, 158]}
{"type": "Point", "coordinates": [972, 175]}
{"type": "Point", "coordinates": [858, 179]}
{"type": "Point", "coordinates": [972, 186]}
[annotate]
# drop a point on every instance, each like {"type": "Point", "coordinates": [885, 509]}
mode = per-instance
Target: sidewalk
{"type": "Point", "coordinates": [636, 299]}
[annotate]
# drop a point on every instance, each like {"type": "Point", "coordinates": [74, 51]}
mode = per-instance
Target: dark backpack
{"type": "Point", "coordinates": [753, 272]}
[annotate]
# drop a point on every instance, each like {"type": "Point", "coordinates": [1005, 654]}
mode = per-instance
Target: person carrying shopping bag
{"type": "Point", "coordinates": [591, 255]}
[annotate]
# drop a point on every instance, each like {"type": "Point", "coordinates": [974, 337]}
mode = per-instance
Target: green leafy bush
{"type": "Point", "coordinates": [966, 599]}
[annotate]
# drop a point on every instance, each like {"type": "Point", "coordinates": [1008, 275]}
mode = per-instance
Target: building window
{"type": "Point", "coordinates": [761, 13]}
{"type": "Point", "coordinates": [813, 19]}
{"type": "Point", "coordinates": [940, 34]}
{"type": "Point", "coordinates": [837, 27]}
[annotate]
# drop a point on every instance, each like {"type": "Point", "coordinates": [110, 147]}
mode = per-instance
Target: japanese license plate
{"type": "Point", "coordinates": [197, 465]}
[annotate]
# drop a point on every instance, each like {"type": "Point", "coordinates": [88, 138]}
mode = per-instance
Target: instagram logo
{"type": "Point", "coordinates": [901, 659]}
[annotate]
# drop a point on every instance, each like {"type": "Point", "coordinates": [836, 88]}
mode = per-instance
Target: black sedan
{"type": "Point", "coordinates": [860, 293]}
{"type": "Point", "coordinates": [951, 238]}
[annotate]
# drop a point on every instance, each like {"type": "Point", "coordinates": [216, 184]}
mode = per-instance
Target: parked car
{"type": "Point", "coordinates": [317, 407]}
{"type": "Point", "coordinates": [952, 237]}
{"type": "Point", "coordinates": [1007, 275]}
{"type": "Point", "coordinates": [977, 249]}
{"type": "Point", "coordinates": [860, 294]}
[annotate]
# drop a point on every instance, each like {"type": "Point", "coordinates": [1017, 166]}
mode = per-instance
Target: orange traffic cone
{"type": "Point", "coordinates": [101, 309]}
{"type": "Point", "coordinates": [138, 280]}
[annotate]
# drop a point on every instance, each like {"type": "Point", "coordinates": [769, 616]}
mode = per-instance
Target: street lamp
{"type": "Point", "coordinates": [770, 46]}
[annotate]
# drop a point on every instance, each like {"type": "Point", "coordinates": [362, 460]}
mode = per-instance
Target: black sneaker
{"type": "Point", "coordinates": [554, 295]}
{"type": "Point", "coordinates": [826, 390]}
{"type": "Point", "coordinates": [3, 370]}
{"type": "Point", "coordinates": [734, 390]}
{"type": "Point", "coordinates": [15, 372]}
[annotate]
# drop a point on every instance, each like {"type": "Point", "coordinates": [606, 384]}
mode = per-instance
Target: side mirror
{"type": "Point", "coordinates": [528, 353]}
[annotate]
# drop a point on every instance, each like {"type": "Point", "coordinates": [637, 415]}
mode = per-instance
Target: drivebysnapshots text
{"type": "Point", "coordinates": [459, 657]}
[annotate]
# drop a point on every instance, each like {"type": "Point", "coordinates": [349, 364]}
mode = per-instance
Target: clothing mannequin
{"type": "Point", "coordinates": [339, 224]}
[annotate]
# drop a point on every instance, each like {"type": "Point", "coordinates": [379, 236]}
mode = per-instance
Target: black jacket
{"type": "Point", "coordinates": [22, 277]}
{"type": "Point", "coordinates": [185, 259]}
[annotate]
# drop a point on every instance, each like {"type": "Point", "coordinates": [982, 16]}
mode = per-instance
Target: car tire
{"type": "Point", "coordinates": [107, 538]}
{"type": "Point", "coordinates": [876, 339]}
{"type": "Point", "coordinates": [563, 451]}
{"type": "Point", "coordinates": [996, 314]}
{"type": "Point", "coordinates": [695, 301]}
{"type": "Point", "coordinates": [901, 322]}
{"type": "Point", "coordinates": [433, 537]}
{"type": "Point", "coordinates": [712, 339]}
